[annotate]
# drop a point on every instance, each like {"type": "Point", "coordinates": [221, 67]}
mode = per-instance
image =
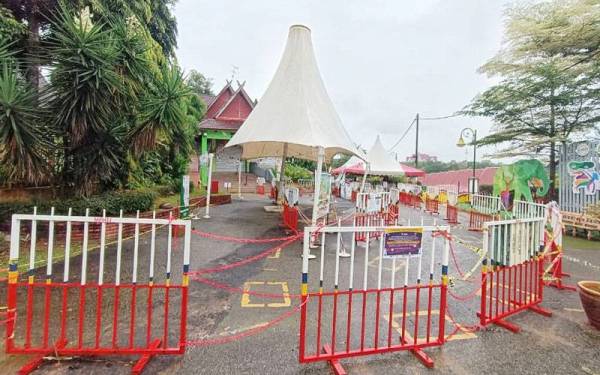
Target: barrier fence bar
{"type": "Point", "coordinates": [451, 214]}
{"type": "Point", "coordinates": [477, 220]}
{"type": "Point", "coordinates": [512, 271]}
{"type": "Point", "coordinates": [526, 210]}
{"type": "Point", "coordinates": [369, 304]}
{"type": "Point", "coordinates": [74, 320]}
{"type": "Point", "coordinates": [432, 205]}
{"type": "Point", "coordinates": [486, 204]}
{"type": "Point", "coordinates": [290, 217]}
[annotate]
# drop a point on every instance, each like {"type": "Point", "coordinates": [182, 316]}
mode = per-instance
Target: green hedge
{"type": "Point", "coordinates": [129, 201]}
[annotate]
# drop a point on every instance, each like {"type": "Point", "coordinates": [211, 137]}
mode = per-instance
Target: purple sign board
{"type": "Point", "coordinates": [402, 242]}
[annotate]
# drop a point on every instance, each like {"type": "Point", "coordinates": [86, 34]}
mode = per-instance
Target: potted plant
{"type": "Point", "coordinates": [589, 292]}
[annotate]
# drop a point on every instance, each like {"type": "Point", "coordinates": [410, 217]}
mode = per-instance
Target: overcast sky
{"type": "Point", "coordinates": [382, 61]}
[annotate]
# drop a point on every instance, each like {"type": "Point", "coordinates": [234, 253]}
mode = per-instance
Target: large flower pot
{"type": "Point", "coordinates": [589, 292]}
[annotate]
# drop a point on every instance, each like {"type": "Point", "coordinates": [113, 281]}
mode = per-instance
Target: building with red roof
{"type": "Point", "coordinates": [460, 178]}
{"type": "Point", "coordinates": [225, 113]}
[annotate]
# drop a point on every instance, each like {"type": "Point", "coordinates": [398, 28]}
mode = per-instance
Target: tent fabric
{"type": "Point", "coordinates": [412, 171]}
{"type": "Point", "coordinates": [381, 162]}
{"type": "Point", "coordinates": [295, 109]}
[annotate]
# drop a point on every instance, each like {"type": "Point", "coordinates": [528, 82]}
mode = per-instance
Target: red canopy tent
{"type": "Point", "coordinates": [356, 166]}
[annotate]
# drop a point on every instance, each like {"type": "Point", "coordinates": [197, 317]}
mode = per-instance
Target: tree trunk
{"type": "Point", "coordinates": [552, 164]}
{"type": "Point", "coordinates": [33, 43]}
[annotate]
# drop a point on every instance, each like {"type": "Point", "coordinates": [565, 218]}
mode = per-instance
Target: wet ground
{"type": "Point", "coordinates": [562, 344]}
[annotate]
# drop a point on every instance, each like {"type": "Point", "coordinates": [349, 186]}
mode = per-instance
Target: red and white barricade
{"type": "Point", "coordinates": [290, 217]}
{"type": "Point", "coordinates": [125, 298]}
{"type": "Point", "coordinates": [392, 214]}
{"type": "Point", "coordinates": [368, 219]}
{"type": "Point", "coordinates": [432, 205]}
{"type": "Point", "coordinates": [477, 220]}
{"type": "Point", "coordinates": [451, 214]}
{"type": "Point", "coordinates": [512, 271]}
{"type": "Point", "coordinates": [368, 304]}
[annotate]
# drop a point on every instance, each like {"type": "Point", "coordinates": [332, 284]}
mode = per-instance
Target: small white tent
{"type": "Point", "coordinates": [381, 162]}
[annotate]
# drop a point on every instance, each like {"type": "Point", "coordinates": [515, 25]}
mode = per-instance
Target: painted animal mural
{"type": "Point", "coordinates": [519, 178]}
{"type": "Point", "coordinates": [585, 177]}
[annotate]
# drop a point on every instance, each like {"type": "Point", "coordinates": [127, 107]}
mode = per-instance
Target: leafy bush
{"type": "Point", "coordinates": [296, 172]}
{"type": "Point", "coordinates": [129, 201]}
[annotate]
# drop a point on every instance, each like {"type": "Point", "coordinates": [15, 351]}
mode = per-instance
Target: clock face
{"type": "Point", "coordinates": [582, 149]}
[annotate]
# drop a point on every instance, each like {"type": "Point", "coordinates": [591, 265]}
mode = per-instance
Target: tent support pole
{"type": "Point", "coordinates": [317, 192]}
{"type": "Point", "coordinates": [364, 179]}
{"type": "Point", "coordinates": [281, 184]}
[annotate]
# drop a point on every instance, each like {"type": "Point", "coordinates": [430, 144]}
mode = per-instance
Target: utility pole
{"type": "Point", "coordinates": [417, 143]}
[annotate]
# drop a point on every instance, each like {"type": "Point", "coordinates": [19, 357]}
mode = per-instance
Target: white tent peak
{"type": "Point", "coordinates": [381, 162]}
{"type": "Point", "coordinates": [294, 110]}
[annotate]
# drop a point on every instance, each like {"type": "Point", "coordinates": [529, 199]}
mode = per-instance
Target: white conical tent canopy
{"type": "Point", "coordinates": [381, 162]}
{"type": "Point", "coordinates": [295, 110]}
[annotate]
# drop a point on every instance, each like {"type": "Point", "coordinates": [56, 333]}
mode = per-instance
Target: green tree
{"type": "Point", "coordinates": [198, 83]}
{"type": "Point", "coordinates": [546, 93]}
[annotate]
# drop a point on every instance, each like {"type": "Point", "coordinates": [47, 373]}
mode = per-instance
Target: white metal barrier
{"type": "Point", "coordinates": [511, 242]}
{"type": "Point", "coordinates": [486, 204]}
{"type": "Point", "coordinates": [372, 202]}
{"type": "Point", "coordinates": [394, 195]}
{"type": "Point", "coordinates": [409, 188]}
{"type": "Point", "coordinates": [528, 210]}
{"type": "Point", "coordinates": [433, 191]}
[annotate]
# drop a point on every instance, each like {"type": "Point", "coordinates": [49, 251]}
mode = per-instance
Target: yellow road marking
{"type": "Point", "coordinates": [285, 295]}
{"type": "Point", "coordinates": [465, 335]}
{"type": "Point", "coordinates": [275, 255]}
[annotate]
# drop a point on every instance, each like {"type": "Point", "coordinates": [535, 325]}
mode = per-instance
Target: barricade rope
{"type": "Point", "coordinates": [245, 261]}
{"type": "Point", "coordinates": [219, 237]}
{"type": "Point", "coordinates": [246, 333]}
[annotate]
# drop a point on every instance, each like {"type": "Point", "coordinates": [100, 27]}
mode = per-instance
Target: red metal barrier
{"type": "Point", "coordinates": [415, 201]}
{"type": "Point", "coordinates": [290, 217]}
{"type": "Point", "coordinates": [405, 198]}
{"type": "Point", "coordinates": [477, 219]}
{"type": "Point", "coordinates": [506, 291]}
{"type": "Point", "coordinates": [273, 192]}
{"type": "Point", "coordinates": [260, 189]}
{"type": "Point", "coordinates": [353, 196]}
{"type": "Point", "coordinates": [402, 322]}
{"type": "Point", "coordinates": [432, 206]}
{"type": "Point", "coordinates": [336, 191]}
{"type": "Point", "coordinates": [368, 219]}
{"type": "Point", "coordinates": [393, 212]}
{"type": "Point", "coordinates": [340, 320]}
{"type": "Point", "coordinates": [143, 316]}
{"type": "Point", "coordinates": [451, 214]}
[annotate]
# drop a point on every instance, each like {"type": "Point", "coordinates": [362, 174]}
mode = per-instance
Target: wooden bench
{"type": "Point", "coordinates": [576, 221]}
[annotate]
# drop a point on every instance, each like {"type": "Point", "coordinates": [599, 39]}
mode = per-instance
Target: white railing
{"type": "Point", "coordinates": [409, 188]}
{"type": "Point", "coordinates": [372, 202]}
{"type": "Point", "coordinates": [394, 195]}
{"type": "Point", "coordinates": [452, 197]}
{"type": "Point", "coordinates": [510, 242]}
{"type": "Point", "coordinates": [528, 210]}
{"type": "Point", "coordinates": [486, 204]}
{"type": "Point", "coordinates": [307, 184]}
{"type": "Point", "coordinates": [433, 191]}
{"type": "Point", "coordinates": [66, 232]}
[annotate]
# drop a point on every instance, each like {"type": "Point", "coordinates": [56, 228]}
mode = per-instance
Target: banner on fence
{"type": "Point", "coordinates": [402, 242]}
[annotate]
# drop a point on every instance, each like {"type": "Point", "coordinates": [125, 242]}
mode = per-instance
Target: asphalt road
{"type": "Point", "coordinates": [562, 344]}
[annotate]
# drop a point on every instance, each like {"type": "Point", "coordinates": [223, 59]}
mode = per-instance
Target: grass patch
{"type": "Point", "coordinates": [580, 243]}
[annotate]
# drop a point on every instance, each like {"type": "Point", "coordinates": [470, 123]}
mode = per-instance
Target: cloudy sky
{"type": "Point", "coordinates": [382, 61]}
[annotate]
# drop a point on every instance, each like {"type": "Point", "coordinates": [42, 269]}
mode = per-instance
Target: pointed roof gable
{"type": "Point", "coordinates": [238, 107]}
{"type": "Point", "coordinates": [220, 100]}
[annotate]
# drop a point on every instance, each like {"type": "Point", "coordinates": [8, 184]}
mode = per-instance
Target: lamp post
{"type": "Point", "coordinates": [472, 134]}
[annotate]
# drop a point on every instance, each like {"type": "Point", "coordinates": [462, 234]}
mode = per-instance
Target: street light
{"type": "Point", "coordinates": [470, 133]}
